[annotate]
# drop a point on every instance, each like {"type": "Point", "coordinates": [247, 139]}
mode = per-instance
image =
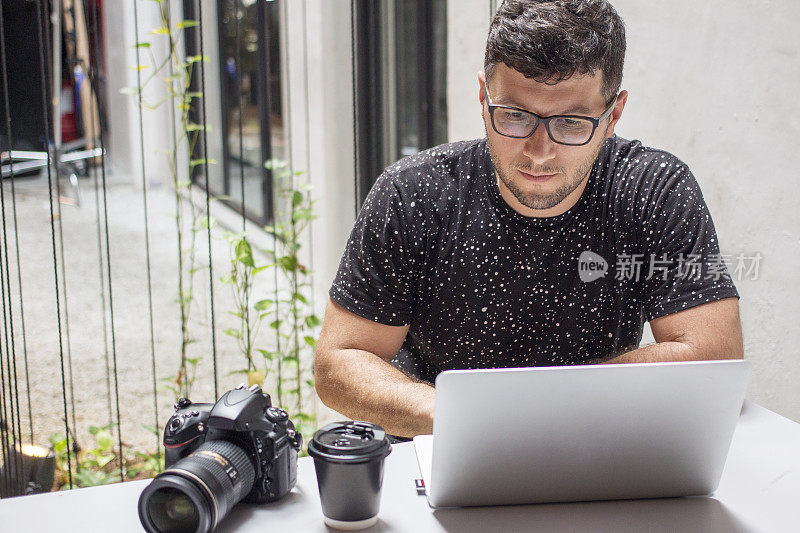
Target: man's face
{"type": "Point", "coordinates": [536, 176]}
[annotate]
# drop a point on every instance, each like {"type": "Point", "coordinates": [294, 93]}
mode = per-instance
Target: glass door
{"type": "Point", "coordinates": [252, 116]}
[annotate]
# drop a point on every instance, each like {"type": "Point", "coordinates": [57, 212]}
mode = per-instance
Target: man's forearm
{"type": "Point", "coordinates": [363, 386]}
{"type": "Point", "coordinates": [662, 352]}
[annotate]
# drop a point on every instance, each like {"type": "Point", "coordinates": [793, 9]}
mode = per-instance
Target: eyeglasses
{"type": "Point", "coordinates": [570, 130]}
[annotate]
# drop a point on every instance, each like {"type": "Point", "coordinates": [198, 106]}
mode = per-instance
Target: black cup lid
{"type": "Point", "coordinates": [349, 441]}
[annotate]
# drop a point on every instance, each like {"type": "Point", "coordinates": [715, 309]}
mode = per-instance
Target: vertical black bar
{"type": "Point", "coordinates": [146, 230]}
{"type": "Point", "coordinates": [103, 113]}
{"type": "Point", "coordinates": [10, 138]}
{"type": "Point", "coordinates": [238, 41]}
{"type": "Point", "coordinates": [208, 198]}
{"type": "Point", "coordinates": [424, 64]}
{"type": "Point", "coordinates": [268, 186]}
{"type": "Point", "coordinates": [5, 276]}
{"type": "Point", "coordinates": [44, 23]}
{"type": "Point", "coordinates": [96, 185]}
{"type": "Point", "coordinates": [16, 244]}
{"type": "Point", "coordinates": [264, 107]}
{"type": "Point", "coordinates": [308, 145]}
{"type": "Point", "coordinates": [369, 95]}
{"type": "Point", "coordinates": [224, 101]}
{"type": "Point", "coordinates": [354, 74]}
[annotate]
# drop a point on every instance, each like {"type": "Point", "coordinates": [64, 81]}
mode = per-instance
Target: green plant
{"type": "Point", "coordinates": [95, 466]}
{"type": "Point", "coordinates": [146, 464]}
{"type": "Point", "coordinates": [290, 312]}
{"type": "Point", "coordinates": [176, 72]}
{"type": "Point", "coordinates": [295, 322]}
{"type": "Point", "coordinates": [99, 465]}
{"type": "Point", "coordinates": [250, 314]}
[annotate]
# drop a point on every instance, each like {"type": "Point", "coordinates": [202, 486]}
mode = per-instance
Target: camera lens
{"type": "Point", "coordinates": [197, 492]}
{"type": "Point", "coordinates": [172, 511]}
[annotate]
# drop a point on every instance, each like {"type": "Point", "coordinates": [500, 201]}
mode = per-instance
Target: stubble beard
{"type": "Point", "coordinates": [543, 201]}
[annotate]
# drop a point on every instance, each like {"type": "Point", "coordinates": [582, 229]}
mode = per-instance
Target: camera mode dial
{"type": "Point", "coordinates": [277, 415]}
{"type": "Point", "coordinates": [182, 403]}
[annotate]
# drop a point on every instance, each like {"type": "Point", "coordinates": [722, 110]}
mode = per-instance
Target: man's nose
{"type": "Point", "coordinates": [539, 147]}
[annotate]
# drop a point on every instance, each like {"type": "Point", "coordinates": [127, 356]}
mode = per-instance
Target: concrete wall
{"type": "Point", "coordinates": [124, 152]}
{"type": "Point", "coordinates": [715, 83]}
{"type": "Point", "coordinates": [330, 99]}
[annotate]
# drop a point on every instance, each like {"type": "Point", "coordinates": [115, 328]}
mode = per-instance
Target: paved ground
{"type": "Point", "coordinates": [86, 345]}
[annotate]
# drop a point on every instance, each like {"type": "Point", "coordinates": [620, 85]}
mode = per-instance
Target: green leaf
{"type": "Point", "coordinates": [207, 222]}
{"type": "Point", "coordinates": [191, 126]}
{"type": "Point", "coordinates": [231, 373]}
{"type": "Point", "coordinates": [103, 460]}
{"type": "Point", "coordinates": [311, 341]}
{"type": "Point", "coordinates": [201, 161]}
{"type": "Point", "coordinates": [299, 297]}
{"type": "Point", "coordinates": [261, 305]}
{"type": "Point", "coordinates": [144, 44]}
{"type": "Point", "coordinates": [288, 262]}
{"type": "Point", "coordinates": [274, 164]}
{"type": "Point", "coordinates": [297, 198]}
{"type": "Point", "coordinates": [192, 360]}
{"type": "Point", "coordinates": [131, 91]}
{"type": "Point", "coordinates": [310, 383]}
{"type": "Point", "coordinates": [244, 253]}
{"type": "Point", "coordinates": [303, 213]}
{"type": "Point", "coordinates": [313, 321]}
{"type": "Point", "coordinates": [233, 333]}
{"type": "Point", "coordinates": [261, 268]}
{"type": "Point", "coordinates": [183, 24]}
{"type": "Point", "coordinates": [195, 59]}
{"type": "Point", "coordinates": [276, 324]}
{"type": "Point", "coordinates": [160, 31]}
{"type": "Point", "coordinates": [105, 441]}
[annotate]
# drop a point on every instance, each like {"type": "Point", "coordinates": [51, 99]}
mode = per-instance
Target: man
{"type": "Point", "coordinates": [547, 243]}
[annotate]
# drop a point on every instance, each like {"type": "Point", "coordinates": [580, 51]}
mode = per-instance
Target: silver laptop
{"type": "Point", "coordinates": [579, 433]}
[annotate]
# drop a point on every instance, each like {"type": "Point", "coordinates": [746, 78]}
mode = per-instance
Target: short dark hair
{"type": "Point", "coordinates": [552, 40]}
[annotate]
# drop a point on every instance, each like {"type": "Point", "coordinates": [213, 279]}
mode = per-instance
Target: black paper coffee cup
{"type": "Point", "coordinates": [348, 458]}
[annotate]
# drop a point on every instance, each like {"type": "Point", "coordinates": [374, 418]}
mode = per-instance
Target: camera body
{"type": "Point", "coordinates": [245, 417]}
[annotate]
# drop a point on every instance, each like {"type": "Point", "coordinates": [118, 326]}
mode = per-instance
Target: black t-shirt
{"type": "Point", "coordinates": [436, 246]}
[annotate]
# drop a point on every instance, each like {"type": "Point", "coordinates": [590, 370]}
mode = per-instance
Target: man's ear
{"type": "Point", "coordinates": [481, 87]}
{"type": "Point", "coordinates": [616, 114]}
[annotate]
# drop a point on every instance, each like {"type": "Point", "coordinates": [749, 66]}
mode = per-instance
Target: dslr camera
{"type": "Point", "coordinates": [216, 455]}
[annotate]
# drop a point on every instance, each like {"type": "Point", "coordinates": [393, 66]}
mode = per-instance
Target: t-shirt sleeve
{"type": "Point", "coordinates": [378, 271]}
{"type": "Point", "coordinates": [682, 264]}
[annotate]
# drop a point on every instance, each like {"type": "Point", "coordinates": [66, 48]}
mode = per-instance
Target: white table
{"type": "Point", "coordinates": [759, 491]}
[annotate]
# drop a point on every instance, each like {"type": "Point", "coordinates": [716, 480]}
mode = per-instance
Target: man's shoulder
{"type": "Point", "coordinates": [442, 165]}
{"type": "Point", "coordinates": [629, 163]}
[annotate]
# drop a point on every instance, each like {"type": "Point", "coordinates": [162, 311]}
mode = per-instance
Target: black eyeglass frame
{"type": "Point", "coordinates": [546, 120]}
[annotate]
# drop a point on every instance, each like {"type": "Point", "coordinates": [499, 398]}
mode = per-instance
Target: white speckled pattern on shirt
{"type": "Point", "coordinates": [436, 246]}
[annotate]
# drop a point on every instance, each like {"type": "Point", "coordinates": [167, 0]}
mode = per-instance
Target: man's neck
{"type": "Point", "coordinates": [558, 209]}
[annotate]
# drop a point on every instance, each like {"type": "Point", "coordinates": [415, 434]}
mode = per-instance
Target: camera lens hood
{"type": "Point", "coordinates": [168, 486]}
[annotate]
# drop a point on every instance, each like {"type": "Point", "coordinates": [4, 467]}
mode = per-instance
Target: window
{"type": "Point", "coordinates": [252, 120]}
{"type": "Point", "coordinates": [400, 82]}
